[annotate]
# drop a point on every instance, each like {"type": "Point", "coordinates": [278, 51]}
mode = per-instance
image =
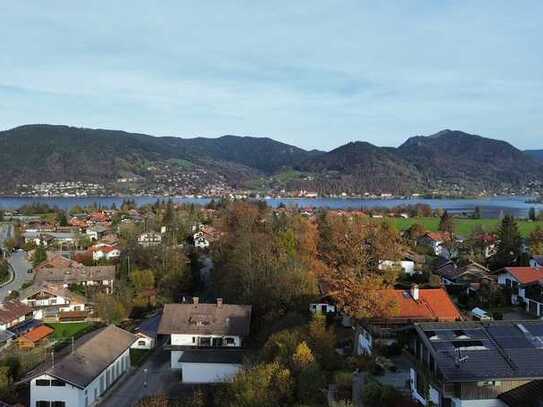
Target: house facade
{"type": "Point", "coordinates": [82, 378]}
{"type": "Point", "coordinates": [66, 272]}
{"type": "Point", "coordinates": [414, 305]}
{"type": "Point", "coordinates": [526, 286]}
{"type": "Point", "coordinates": [51, 301]}
{"type": "Point", "coordinates": [13, 313]}
{"type": "Point", "coordinates": [474, 364]}
{"type": "Point", "coordinates": [205, 340]}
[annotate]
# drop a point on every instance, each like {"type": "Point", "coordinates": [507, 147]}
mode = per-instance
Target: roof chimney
{"type": "Point", "coordinates": [219, 302]}
{"type": "Point", "coordinates": [195, 300]}
{"type": "Point", "coordinates": [415, 292]}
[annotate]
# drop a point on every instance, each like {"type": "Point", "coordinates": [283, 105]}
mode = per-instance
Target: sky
{"type": "Point", "coordinates": [313, 73]}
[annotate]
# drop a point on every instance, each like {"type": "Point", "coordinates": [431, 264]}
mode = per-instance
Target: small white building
{"type": "Point", "coordinates": [103, 251]}
{"type": "Point", "coordinates": [205, 339]}
{"type": "Point", "coordinates": [147, 333]}
{"type": "Point", "coordinates": [200, 241]}
{"type": "Point", "coordinates": [526, 286]}
{"type": "Point", "coordinates": [50, 301]}
{"type": "Point", "coordinates": [83, 377]}
{"type": "Point", "coordinates": [149, 239]}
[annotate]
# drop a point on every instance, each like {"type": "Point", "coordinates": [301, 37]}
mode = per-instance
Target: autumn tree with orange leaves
{"type": "Point", "coordinates": [350, 249]}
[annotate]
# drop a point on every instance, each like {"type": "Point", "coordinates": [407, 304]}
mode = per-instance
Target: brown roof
{"type": "Point", "coordinates": [11, 310]}
{"type": "Point", "coordinates": [205, 319]}
{"type": "Point", "coordinates": [39, 333]}
{"type": "Point", "coordinates": [90, 359]}
{"type": "Point", "coordinates": [57, 261]}
{"type": "Point", "coordinates": [75, 275]}
{"type": "Point", "coordinates": [53, 289]}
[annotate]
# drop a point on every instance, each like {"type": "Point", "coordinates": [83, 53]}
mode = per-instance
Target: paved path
{"type": "Point", "coordinates": [153, 377]}
{"type": "Point", "coordinates": [19, 266]}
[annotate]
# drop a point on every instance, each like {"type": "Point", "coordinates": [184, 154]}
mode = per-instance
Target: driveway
{"type": "Point", "coordinates": [153, 377]}
{"type": "Point", "coordinates": [19, 267]}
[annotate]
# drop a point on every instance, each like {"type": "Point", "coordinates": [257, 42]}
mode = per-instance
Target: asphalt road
{"type": "Point", "coordinates": [19, 267]}
{"type": "Point", "coordinates": [153, 377]}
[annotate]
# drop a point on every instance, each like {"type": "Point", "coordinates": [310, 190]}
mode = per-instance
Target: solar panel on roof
{"type": "Point", "coordinates": [514, 342]}
{"type": "Point", "coordinates": [535, 329]}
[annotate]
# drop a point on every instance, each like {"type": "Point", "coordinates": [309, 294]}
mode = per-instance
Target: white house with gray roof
{"type": "Point", "coordinates": [83, 377]}
{"type": "Point", "coordinates": [205, 339]}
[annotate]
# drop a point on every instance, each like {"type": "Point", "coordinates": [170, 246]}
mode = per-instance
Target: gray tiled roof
{"type": "Point", "coordinates": [205, 319]}
{"type": "Point", "coordinates": [477, 351]}
{"type": "Point", "coordinates": [93, 356]}
{"type": "Point", "coordinates": [75, 275]}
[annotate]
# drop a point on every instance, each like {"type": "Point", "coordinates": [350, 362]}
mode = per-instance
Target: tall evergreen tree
{"type": "Point", "coordinates": [446, 223]}
{"type": "Point", "coordinates": [509, 243]}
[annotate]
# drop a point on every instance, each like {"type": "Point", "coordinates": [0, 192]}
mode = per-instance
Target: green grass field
{"type": "Point", "coordinates": [464, 227]}
{"type": "Point", "coordinates": [65, 331]}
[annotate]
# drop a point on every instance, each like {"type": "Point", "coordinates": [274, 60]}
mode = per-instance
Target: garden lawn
{"type": "Point", "coordinates": [464, 227]}
{"type": "Point", "coordinates": [65, 331]}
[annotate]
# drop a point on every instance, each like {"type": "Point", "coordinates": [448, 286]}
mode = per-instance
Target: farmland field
{"type": "Point", "coordinates": [464, 227]}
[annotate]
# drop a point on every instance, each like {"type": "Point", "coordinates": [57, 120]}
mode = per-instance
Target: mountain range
{"type": "Point", "coordinates": [449, 160]}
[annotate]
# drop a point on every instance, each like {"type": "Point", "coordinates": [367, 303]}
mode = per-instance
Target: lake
{"type": "Point", "coordinates": [490, 207]}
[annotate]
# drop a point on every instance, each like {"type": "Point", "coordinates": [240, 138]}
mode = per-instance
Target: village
{"type": "Point", "coordinates": [240, 304]}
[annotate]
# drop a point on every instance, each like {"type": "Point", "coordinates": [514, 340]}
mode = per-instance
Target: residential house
{"type": "Point", "coordinates": [475, 364]}
{"type": "Point", "coordinates": [526, 285]}
{"type": "Point", "coordinates": [98, 217]}
{"type": "Point", "coordinates": [324, 304]}
{"type": "Point", "coordinates": [147, 333]}
{"type": "Point", "coordinates": [149, 239]}
{"type": "Point", "coordinates": [96, 232]}
{"type": "Point", "coordinates": [205, 236]}
{"type": "Point", "coordinates": [66, 272]}
{"type": "Point", "coordinates": [205, 340]}
{"type": "Point", "coordinates": [470, 277]}
{"type": "Point", "coordinates": [414, 305]}
{"type": "Point", "coordinates": [50, 238]}
{"type": "Point", "coordinates": [35, 337]}
{"type": "Point", "coordinates": [53, 301]}
{"type": "Point", "coordinates": [438, 242]}
{"type": "Point", "coordinates": [103, 251]}
{"type": "Point", "coordinates": [84, 376]}
{"type": "Point", "coordinates": [14, 313]}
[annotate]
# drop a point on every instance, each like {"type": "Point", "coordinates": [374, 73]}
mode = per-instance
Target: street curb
{"type": "Point", "coordinates": [11, 278]}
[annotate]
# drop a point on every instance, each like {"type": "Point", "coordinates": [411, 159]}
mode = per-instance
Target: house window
{"type": "Point", "coordinates": [57, 383]}
{"type": "Point", "coordinates": [43, 382]}
{"type": "Point", "coordinates": [230, 341]}
{"type": "Point", "coordinates": [58, 404]}
{"type": "Point", "coordinates": [205, 341]}
{"type": "Point", "coordinates": [141, 343]}
{"type": "Point", "coordinates": [43, 403]}
{"type": "Point", "coordinates": [508, 283]}
{"type": "Point", "coordinates": [193, 339]}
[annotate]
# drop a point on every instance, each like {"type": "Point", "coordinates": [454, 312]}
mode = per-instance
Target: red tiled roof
{"type": "Point", "coordinates": [526, 275]}
{"type": "Point", "coordinates": [439, 236]}
{"type": "Point", "coordinates": [37, 334]}
{"type": "Point", "coordinates": [433, 304]}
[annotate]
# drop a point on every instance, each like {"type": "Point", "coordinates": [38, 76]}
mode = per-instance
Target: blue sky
{"type": "Point", "coordinates": [313, 73]}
